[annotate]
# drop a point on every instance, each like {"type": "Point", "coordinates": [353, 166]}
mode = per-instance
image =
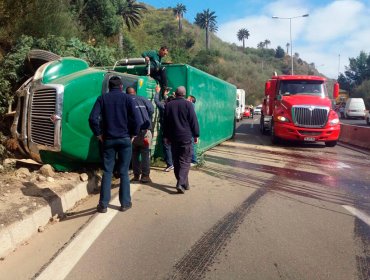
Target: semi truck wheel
{"type": "Point", "coordinates": [262, 125]}
{"type": "Point", "coordinates": [331, 143]}
{"type": "Point", "coordinates": [274, 139]}
{"type": "Point", "coordinates": [36, 58]}
{"type": "Point", "coordinates": [234, 129]}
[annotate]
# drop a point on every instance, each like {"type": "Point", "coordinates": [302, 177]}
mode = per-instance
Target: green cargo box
{"type": "Point", "coordinates": [55, 106]}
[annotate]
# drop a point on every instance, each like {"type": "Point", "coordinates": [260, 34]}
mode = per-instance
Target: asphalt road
{"type": "Point", "coordinates": [354, 122]}
{"type": "Point", "coordinates": [254, 211]}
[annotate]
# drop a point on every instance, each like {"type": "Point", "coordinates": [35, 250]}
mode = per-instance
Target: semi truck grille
{"type": "Point", "coordinates": [42, 109]}
{"type": "Point", "coordinates": [310, 116]}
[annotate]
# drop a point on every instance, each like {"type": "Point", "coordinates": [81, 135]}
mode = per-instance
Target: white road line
{"type": "Point", "coordinates": [67, 259]}
{"type": "Point", "coordinates": [359, 214]}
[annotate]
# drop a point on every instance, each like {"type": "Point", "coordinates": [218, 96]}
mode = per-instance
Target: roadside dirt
{"type": "Point", "coordinates": [25, 189]}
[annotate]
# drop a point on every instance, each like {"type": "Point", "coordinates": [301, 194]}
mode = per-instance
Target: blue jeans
{"type": "Point", "coordinates": [120, 147]}
{"type": "Point", "coordinates": [167, 153]}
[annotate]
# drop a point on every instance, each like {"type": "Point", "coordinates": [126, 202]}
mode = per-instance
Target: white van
{"type": "Point", "coordinates": [240, 104]}
{"type": "Point", "coordinates": [258, 109]}
{"type": "Point", "coordinates": [355, 108]}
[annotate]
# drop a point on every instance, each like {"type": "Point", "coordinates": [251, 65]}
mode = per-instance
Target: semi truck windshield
{"type": "Point", "coordinates": [315, 88]}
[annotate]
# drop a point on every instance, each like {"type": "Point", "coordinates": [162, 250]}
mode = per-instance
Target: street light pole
{"type": "Point", "coordinates": [290, 34]}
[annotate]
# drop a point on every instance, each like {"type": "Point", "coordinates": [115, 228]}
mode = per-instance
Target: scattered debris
{"type": "Point", "coordinates": [47, 170]}
{"type": "Point", "coordinates": [22, 173]}
{"type": "Point", "coordinates": [84, 177]}
{"type": "Point", "coordinates": [41, 229]}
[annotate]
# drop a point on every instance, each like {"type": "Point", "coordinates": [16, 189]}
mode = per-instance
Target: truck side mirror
{"type": "Point", "coordinates": [336, 90]}
{"type": "Point", "coordinates": [267, 87]}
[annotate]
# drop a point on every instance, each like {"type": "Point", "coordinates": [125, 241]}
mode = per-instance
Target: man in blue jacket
{"type": "Point", "coordinates": [180, 126]}
{"type": "Point", "coordinates": [114, 120]}
{"type": "Point", "coordinates": [142, 143]}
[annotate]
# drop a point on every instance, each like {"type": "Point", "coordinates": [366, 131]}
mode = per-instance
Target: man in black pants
{"type": "Point", "coordinates": [157, 71]}
{"type": "Point", "coordinates": [180, 126]}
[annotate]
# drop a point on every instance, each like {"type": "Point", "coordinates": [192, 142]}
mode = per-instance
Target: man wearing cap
{"type": "Point", "coordinates": [180, 126]}
{"type": "Point", "coordinates": [115, 121]}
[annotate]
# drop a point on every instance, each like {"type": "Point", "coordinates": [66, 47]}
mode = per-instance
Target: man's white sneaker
{"type": "Point", "coordinates": [169, 168]}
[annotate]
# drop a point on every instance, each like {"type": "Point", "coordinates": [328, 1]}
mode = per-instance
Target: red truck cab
{"type": "Point", "coordinates": [298, 108]}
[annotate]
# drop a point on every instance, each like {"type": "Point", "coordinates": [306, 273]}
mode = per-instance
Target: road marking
{"type": "Point", "coordinates": [358, 213]}
{"type": "Point", "coordinates": [62, 265]}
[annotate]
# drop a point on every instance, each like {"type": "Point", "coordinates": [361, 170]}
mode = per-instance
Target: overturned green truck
{"type": "Point", "coordinates": [51, 120]}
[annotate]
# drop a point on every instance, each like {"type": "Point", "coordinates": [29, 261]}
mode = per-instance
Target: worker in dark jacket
{"type": "Point", "coordinates": [180, 126]}
{"type": "Point", "coordinates": [157, 71]}
{"type": "Point", "coordinates": [115, 121]}
{"type": "Point", "coordinates": [142, 143]}
{"type": "Point", "coordinates": [161, 105]}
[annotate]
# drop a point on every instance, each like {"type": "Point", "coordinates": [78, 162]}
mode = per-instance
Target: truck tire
{"type": "Point", "coordinates": [262, 125]}
{"type": "Point", "coordinates": [331, 143]}
{"type": "Point", "coordinates": [35, 58]}
{"type": "Point", "coordinates": [274, 139]}
{"type": "Point", "coordinates": [234, 129]}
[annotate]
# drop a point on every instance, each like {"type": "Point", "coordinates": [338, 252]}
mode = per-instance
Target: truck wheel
{"type": "Point", "coordinates": [36, 58]}
{"type": "Point", "coordinates": [262, 125]}
{"type": "Point", "coordinates": [274, 139]}
{"type": "Point", "coordinates": [330, 143]}
{"type": "Point", "coordinates": [234, 129]}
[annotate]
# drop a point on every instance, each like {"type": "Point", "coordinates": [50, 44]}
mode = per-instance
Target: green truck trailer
{"type": "Point", "coordinates": [51, 120]}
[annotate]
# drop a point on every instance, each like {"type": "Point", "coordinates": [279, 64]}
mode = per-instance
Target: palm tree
{"type": "Point", "coordinates": [179, 12]}
{"type": "Point", "coordinates": [267, 43]}
{"type": "Point", "coordinates": [261, 45]}
{"type": "Point", "coordinates": [131, 13]}
{"type": "Point", "coordinates": [242, 35]}
{"type": "Point", "coordinates": [207, 20]}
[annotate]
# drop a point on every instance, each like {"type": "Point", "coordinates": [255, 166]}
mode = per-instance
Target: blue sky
{"type": "Point", "coordinates": [333, 32]}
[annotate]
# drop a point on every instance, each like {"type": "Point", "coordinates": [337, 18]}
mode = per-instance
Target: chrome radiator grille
{"type": "Point", "coordinates": [310, 116]}
{"type": "Point", "coordinates": [42, 108]}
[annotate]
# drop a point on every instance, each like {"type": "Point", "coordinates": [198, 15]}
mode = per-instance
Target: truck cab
{"type": "Point", "coordinates": [298, 108]}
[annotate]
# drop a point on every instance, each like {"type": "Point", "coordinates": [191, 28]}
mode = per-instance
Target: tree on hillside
{"type": "Point", "coordinates": [36, 18]}
{"type": "Point", "coordinates": [279, 53]}
{"type": "Point", "coordinates": [260, 45]}
{"type": "Point", "coordinates": [267, 43]}
{"type": "Point", "coordinates": [207, 20]}
{"type": "Point", "coordinates": [242, 35]}
{"type": "Point", "coordinates": [358, 69]}
{"type": "Point", "coordinates": [179, 12]}
{"type": "Point", "coordinates": [132, 13]}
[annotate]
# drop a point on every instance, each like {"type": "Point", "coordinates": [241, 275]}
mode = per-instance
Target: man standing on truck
{"type": "Point", "coordinates": [157, 71]}
{"type": "Point", "coordinates": [141, 143]}
{"type": "Point", "coordinates": [180, 126]}
{"type": "Point", "coordinates": [114, 120]}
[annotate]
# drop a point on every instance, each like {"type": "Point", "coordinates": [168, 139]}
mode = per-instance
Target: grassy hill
{"type": "Point", "coordinates": [246, 68]}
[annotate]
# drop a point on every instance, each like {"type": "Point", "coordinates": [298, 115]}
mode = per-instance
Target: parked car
{"type": "Point", "coordinates": [355, 108]}
{"type": "Point", "coordinates": [257, 110]}
{"type": "Point", "coordinates": [367, 117]}
{"type": "Point", "coordinates": [247, 113]}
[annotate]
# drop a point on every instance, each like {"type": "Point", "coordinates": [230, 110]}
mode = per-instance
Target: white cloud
{"type": "Point", "coordinates": [340, 27]}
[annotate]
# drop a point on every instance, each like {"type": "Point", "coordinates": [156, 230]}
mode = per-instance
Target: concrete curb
{"type": "Point", "coordinates": [18, 232]}
{"type": "Point", "coordinates": [358, 136]}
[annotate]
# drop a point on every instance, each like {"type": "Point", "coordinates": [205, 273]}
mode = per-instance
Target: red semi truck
{"type": "Point", "coordinates": [298, 108]}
